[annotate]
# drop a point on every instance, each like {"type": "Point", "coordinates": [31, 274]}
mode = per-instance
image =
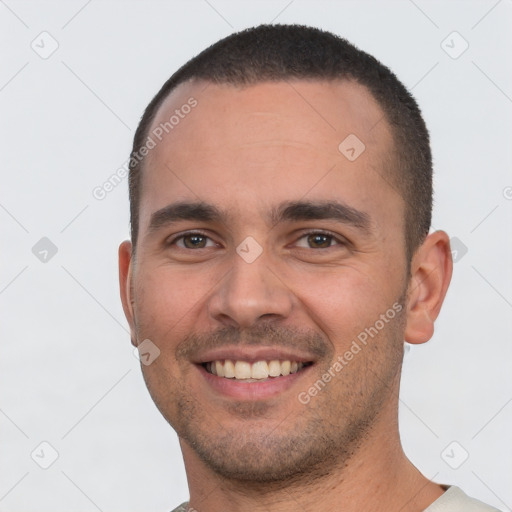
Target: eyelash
{"type": "Point", "coordinates": [334, 237]}
{"type": "Point", "coordinates": [188, 233]}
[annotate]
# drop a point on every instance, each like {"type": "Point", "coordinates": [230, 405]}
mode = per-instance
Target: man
{"type": "Point", "coordinates": [281, 195]}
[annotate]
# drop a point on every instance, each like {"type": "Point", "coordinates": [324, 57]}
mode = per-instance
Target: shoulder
{"type": "Point", "coordinates": [456, 500]}
{"type": "Point", "coordinates": [184, 508]}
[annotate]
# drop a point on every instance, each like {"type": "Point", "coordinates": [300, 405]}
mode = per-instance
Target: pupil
{"type": "Point", "coordinates": [194, 241]}
{"type": "Point", "coordinates": [319, 240]}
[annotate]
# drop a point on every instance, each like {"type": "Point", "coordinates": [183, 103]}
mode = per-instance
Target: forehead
{"type": "Point", "coordinates": [255, 145]}
{"type": "Point", "coordinates": [245, 112]}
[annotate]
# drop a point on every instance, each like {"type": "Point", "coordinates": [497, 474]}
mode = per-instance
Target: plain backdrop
{"type": "Point", "coordinates": [75, 77]}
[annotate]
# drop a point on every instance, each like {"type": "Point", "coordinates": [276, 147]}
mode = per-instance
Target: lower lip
{"type": "Point", "coordinates": [240, 390]}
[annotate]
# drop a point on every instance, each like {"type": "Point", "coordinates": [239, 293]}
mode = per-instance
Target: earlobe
{"type": "Point", "coordinates": [431, 272]}
{"type": "Point", "coordinates": [125, 280]}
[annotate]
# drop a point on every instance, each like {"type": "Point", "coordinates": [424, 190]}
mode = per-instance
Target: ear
{"type": "Point", "coordinates": [431, 272]}
{"type": "Point", "coordinates": [125, 285]}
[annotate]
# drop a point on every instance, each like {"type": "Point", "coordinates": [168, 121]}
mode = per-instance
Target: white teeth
{"type": "Point", "coordinates": [229, 369]}
{"type": "Point", "coordinates": [274, 368]}
{"type": "Point", "coordinates": [285, 367]}
{"type": "Point", "coordinates": [259, 370]}
{"type": "Point", "coordinates": [242, 370]}
{"type": "Point", "coordinates": [219, 368]}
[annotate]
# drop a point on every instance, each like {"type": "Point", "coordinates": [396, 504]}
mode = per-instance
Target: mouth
{"type": "Point", "coordinates": [257, 371]}
{"type": "Point", "coordinates": [250, 373]}
{"type": "Point", "coordinates": [253, 373]}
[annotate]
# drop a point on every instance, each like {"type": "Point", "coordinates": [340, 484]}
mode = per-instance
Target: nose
{"type": "Point", "coordinates": [250, 291]}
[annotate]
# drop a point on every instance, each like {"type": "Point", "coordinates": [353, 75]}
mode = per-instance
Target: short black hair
{"type": "Point", "coordinates": [272, 53]}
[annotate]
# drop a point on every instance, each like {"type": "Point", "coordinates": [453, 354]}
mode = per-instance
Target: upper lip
{"type": "Point", "coordinates": [253, 354]}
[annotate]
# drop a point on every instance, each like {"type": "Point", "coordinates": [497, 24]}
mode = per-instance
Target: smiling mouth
{"type": "Point", "coordinates": [253, 372]}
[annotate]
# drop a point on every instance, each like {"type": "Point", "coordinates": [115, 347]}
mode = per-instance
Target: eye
{"type": "Point", "coordinates": [193, 241]}
{"type": "Point", "coordinates": [317, 240]}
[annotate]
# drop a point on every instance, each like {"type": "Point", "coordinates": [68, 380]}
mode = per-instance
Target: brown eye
{"type": "Point", "coordinates": [319, 241]}
{"type": "Point", "coordinates": [194, 241]}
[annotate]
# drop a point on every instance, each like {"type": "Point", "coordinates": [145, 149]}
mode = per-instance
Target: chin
{"type": "Point", "coordinates": [298, 449]}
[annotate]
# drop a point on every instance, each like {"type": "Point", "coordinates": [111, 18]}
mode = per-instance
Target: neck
{"type": "Point", "coordinates": [377, 477]}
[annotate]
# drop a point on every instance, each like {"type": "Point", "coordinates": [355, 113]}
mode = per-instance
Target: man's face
{"type": "Point", "coordinates": [294, 251]}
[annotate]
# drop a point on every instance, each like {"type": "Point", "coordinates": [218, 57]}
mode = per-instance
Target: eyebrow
{"type": "Point", "coordinates": [321, 210]}
{"type": "Point", "coordinates": [185, 210]}
{"type": "Point", "coordinates": [288, 211]}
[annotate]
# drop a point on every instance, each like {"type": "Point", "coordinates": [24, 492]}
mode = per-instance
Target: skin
{"type": "Point", "coordinates": [246, 151]}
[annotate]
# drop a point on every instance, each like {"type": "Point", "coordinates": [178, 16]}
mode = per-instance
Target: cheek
{"type": "Point", "coordinates": [167, 301]}
{"type": "Point", "coordinates": [342, 302]}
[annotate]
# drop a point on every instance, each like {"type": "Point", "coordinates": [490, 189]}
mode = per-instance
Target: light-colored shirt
{"type": "Point", "coordinates": [453, 500]}
{"type": "Point", "coordinates": [456, 500]}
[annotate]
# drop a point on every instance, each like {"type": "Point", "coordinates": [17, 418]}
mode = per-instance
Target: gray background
{"type": "Point", "coordinates": [68, 376]}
